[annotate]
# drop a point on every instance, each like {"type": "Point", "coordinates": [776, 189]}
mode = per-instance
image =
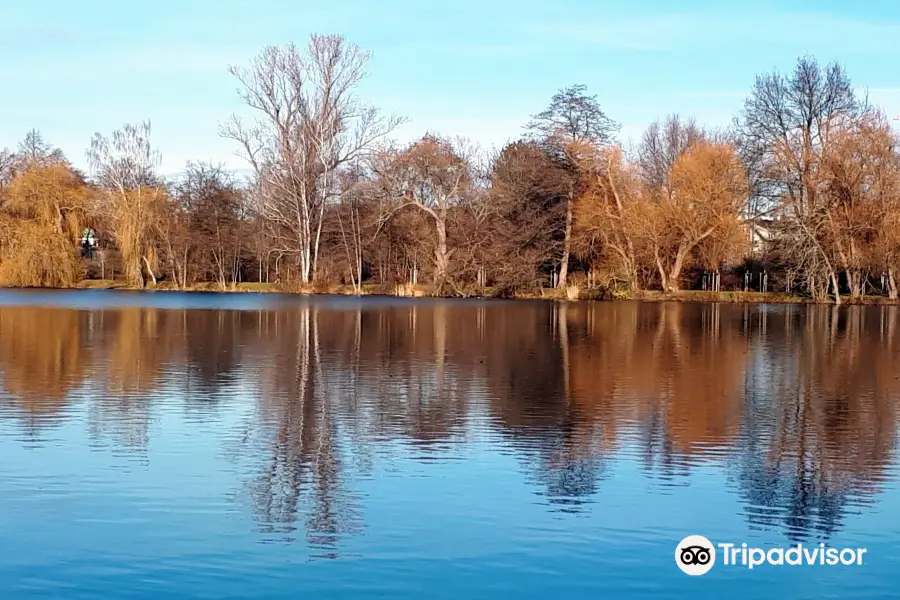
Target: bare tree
{"type": "Point", "coordinates": [787, 121]}
{"type": "Point", "coordinates": [204, 232]}
{"type": "Point", "coordinates": [310, 123]}
{"type": "Point", "coordinates": [785, 129]}
{"type": "Point", "coordinates": [126, 167]}
{"type": "Point", "coordinates": [662, 145]}
{"type": "Point", "coordinates": [572, 120]}
{"type": "Point", "coordinates": [354, 217]}
{"type": "Point", "coordinates": [7, 171]}
{"type": "Point", "coordinates": [35, 151]}
{"type": "Point", "coordinates": [433, 175]}
{"type": "Point", "coordinates": [573, 116]}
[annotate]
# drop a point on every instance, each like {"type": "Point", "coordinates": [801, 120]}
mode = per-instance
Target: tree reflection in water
{"type": "Point", "coordinates": [797, 405]}
{"type": "Point", "coordinates": [818, 431]}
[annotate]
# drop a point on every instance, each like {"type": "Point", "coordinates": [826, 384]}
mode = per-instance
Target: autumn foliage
{"type": "Point", "coordinates": [43, 210]}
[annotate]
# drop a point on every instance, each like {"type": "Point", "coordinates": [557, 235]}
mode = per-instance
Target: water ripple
{"type": "Point", "coordinates": [151, 444]}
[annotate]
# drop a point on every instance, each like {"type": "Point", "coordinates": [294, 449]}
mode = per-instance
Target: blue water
{"type": "Point", "coordinates": [163, 445]}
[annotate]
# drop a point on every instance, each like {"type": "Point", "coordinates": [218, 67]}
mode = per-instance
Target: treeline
{"type": "Point", "coordinates": [801, 194]}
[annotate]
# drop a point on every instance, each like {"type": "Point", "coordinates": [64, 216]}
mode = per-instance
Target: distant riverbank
{"type": "Point", "coordinates": [409, 291]}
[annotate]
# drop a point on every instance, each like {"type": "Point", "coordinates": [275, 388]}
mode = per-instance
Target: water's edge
{"type": "Point", "coordinates": [420, 291]}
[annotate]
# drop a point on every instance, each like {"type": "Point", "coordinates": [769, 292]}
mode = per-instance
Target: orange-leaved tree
{"type": "Point", "coordinates": [611, 213]}
{"type": "Point", "coordinates": [709, 188]}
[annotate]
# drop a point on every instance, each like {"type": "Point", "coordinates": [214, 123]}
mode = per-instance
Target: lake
{"type": "Point", "coordinates": [166, 445]}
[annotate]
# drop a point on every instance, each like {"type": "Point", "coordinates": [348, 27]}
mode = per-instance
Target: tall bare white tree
{"type": "Point", "coordinates": [309, 124]}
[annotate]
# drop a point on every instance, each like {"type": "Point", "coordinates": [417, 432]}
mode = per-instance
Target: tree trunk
{"type": "Point", "coordinates": [314, 267]}
{"type": "Point", "coordinates": [220, 270]}
{"type": "Point", "coordinates": [855, 282]}
{"type": "Point", "coordinates": [674, 276]}
{"type": "Point", "coordinates": [185, 265]}
{"type": "Point", "coordinates": [149, 270]}
{"type": "Point", "coordinates": [892, 285]}
{"type": "Point", "coordinates": [633, 283]}
{"type": "Point", "coordinates": [567, 246]}
{"type": "Point", "coordinates": [305, 265]}
{"type": "Point", "coordinates": [359, 260]}
{"type": "Point", "coordinates": [441, 255]}
{"type": "Point", "coordinates": [837, 290]}
{"type": "Point", "coordinates": [663, 276]}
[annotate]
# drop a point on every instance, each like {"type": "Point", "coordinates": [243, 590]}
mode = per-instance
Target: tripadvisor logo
{"type": "Point", "coordinates": [696, 555]}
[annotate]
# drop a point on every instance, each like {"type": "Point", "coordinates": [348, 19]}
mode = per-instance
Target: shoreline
{"type": "Point", "coordinates": [408, 291]}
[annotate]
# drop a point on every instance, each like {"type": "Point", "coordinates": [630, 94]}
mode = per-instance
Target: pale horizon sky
{"type": "Point", "coordinates": [473, 69]}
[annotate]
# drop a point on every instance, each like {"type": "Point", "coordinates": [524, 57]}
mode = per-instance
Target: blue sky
{"type": "Point", "coordinates": [476, 68]}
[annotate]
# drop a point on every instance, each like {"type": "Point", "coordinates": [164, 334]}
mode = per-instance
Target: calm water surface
{"type": "Point", "coordinates": [235, 446]}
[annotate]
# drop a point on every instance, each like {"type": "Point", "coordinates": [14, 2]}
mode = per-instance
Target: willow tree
{"type": "Point", "coordinates": [310, 123]}
{"type": "Point", "coordinates": [44, 209]}
{"type": "Point", "coordinates": [29, 257]}
{"type": "Point", "coordinates": [55, 196]}
{"type": "Point", "coordinates": [133, 198]}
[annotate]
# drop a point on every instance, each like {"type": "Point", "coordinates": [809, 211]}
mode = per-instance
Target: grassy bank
{"type": "Point", "coordinates": [108, 284]}
{"type": "Point", "coordinates": [727, 297]}
{"type": "Point", "coordinates": [409, 291]}
{"type": "Point", "coordinates": [245, 287]}
{"type": "Point", "coordinates": [756, 298]}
